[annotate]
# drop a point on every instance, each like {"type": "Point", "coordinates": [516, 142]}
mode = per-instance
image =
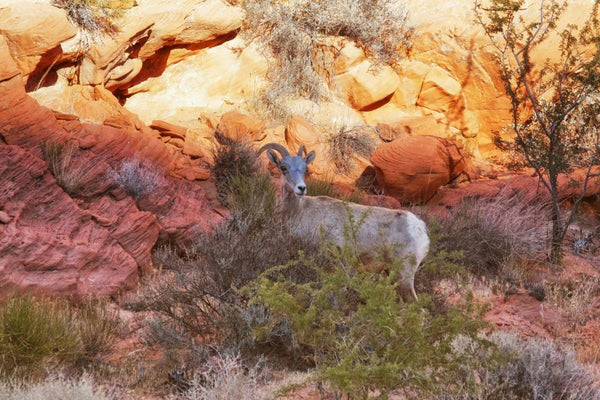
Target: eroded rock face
{"type": "Point", "coordinates": [412, 168]}
{"type": "Point", "coordinates": [98, 240]}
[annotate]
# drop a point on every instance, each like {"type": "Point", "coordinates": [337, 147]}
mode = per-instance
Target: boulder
{"type": "Point", "coordinates": [412, 168]}
{"type": "Point", "coordinates": [235, 125]}
{"type": "Point", "coordinates": [34, 32]}
{"type": "Point", "coordinates": [440, 91]}
{"type": "Point", "coordinates": [364, 84]}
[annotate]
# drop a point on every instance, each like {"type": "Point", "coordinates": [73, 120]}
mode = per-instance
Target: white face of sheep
{"type": "Point", "coordinates": [293, 169]}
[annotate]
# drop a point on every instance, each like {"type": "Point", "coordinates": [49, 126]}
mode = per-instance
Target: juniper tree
{"type": "Point", "coordinates": [554, 104]}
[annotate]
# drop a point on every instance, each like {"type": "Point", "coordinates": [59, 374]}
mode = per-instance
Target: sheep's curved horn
{"type": "Point", "coordinates": [274, 146]}
{"type": "Point", "coordinates": [302, 150]}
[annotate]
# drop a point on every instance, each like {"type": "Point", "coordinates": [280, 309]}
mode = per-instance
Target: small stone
{"type": "Point", "coordinates": [4, 217]}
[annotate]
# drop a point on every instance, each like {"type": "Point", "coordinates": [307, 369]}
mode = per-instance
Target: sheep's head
{"type": "Point", "coordinates": [292, 168]}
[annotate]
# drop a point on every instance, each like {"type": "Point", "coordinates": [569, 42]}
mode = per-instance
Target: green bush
{"type": "Point", "coordinates": [353, 325]}
{"type": "Point", "coordinates": [37, 332]}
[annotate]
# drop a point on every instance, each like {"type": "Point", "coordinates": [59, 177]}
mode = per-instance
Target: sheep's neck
{"type": "Point", "coordinates": [290, 203]}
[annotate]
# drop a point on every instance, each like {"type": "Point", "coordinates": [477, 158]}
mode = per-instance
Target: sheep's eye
{"type": "Point", "coordinates": [283, 169]}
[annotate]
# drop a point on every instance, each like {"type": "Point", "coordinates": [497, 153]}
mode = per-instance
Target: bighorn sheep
{"type": "Point", "coordinates": [402, 229]}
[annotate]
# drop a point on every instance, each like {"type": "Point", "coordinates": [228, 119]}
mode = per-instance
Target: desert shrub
{"type": "Point", "coordinates": [60, 387]}
{"type": "Point", "coordinates": [201, 298]}
{"type": "Point", "coordinates": [353, 325]}
{"type": "Point", "coordinates": [325, 187]}
{"type": "Point", "coordinates": [36, 332]}
{"type": "Point", "coordinates": [347, 142]}
{"type": "Point", "coordinates": [232, 159]}
{"type": "Point", "coordinates": [516, 368]}
{"type": "Point", "coordinates": [493, 234]}
{"type": "Point", "coordinates": [62, 162]}
{"type": "Point", "coordinates": [295, 34]}
{"type": "Point", "coordinates": [138, 178]}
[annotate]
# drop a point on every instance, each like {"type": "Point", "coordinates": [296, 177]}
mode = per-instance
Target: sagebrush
{"type": "Point", "coordinates": [138, 178]}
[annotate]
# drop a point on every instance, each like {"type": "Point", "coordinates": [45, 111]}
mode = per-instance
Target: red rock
{"type": "Point", "coordinates": [101, 242]}
{"type": "Point", "coordinates": [523, 314]}
{"type": "Point", "coordinates": [412, 168]}
{"type": "Point", "coordinates": [239, 126]}
{"type": "Point", "coordinates": [167, 129]}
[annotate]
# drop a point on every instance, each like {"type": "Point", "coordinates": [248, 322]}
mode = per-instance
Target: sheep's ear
{"type": "Point", "coordinates": [310, 157]}
{"type": "Point", "coordinates": [272, 156]}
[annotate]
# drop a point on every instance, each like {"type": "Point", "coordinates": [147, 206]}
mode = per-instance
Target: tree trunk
{"type": "Point", "coordinates": [556, 247]}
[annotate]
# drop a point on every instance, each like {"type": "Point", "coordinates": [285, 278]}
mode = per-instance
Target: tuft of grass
{"type": "Point", "coordinates": [138, 178]}
{"type": "Point", "coordinates": [295, 34]}
{"type": "Point", "coordinates": [34, 332]}
{"type": "Point", "coordinates": [62, 162]}
{"type": "Point", "coordinates": [37, 332]}
{"type": "Point", "coordinates": [347, 142]}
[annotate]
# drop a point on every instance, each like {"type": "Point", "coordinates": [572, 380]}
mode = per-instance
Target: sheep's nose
{"type": "Point", "coordinates": [302, 189]}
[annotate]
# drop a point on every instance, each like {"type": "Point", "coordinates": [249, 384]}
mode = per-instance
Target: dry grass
{"type": "Point", "coordinates": [60, 387]}
{"type": "Point", "coordinates": [294, 33]}
{"type": "Point", "coordinates": [573, 299]}
{"type": "Point", "coordinates": [62, 161]}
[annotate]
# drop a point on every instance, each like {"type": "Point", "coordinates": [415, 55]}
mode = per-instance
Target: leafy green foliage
{"type": "Point", "coordinates": [353, 325]}
{"type": "Point", "coordinates": [554, 105]}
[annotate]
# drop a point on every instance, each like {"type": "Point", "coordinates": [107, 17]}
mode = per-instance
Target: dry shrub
{"type": "Point", "coordinates": [347, 142]}
{"type": "Point", "coordinates": [60, 387]}
{"type": "Point", "coordinates": [495, 234]}
{"type": "Point", "coordinates": [138, 178]}
{"type": "Point", "coordinates": [62, 162]}
{"type": "Point", "coordinates": [201, 298]}
{"type": "Point", "coordinates": [520, 369]}
{"type": "Point", "coordinates": [294, 33]}
{"type": "Point", "coordinates": [225, 377]}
